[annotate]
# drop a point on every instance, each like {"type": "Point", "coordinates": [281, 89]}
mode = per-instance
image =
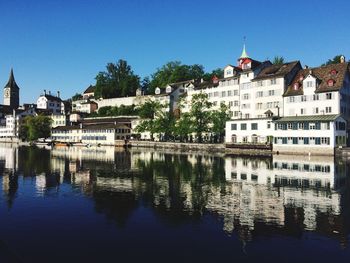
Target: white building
{"type": "Point", "coordinates": [319, 91]}
{"type": "Point", "coordinates": [85, 106]}
{"type": "Point", "coordinates": [104, 134]}
{"type": "Point", "coordinates": [318, 134]}
{"type": "Point", "coordinates": [51, 103]}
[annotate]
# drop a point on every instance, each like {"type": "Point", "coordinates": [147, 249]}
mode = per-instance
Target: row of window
{"type": "Point", "coordinates": [303, 126]}
{"type": "Point", "coordinates": [314, 97]}
{"type": "Point", "coordinates": [268, 93]}
{"type": "Point", "coordinates": [223, 94]}
{"type": "Point", "coordinates": [262, 83]}
{"type": "Point", "coordinates": [243, 126]}
{"type": "Point", "coordinates": [303, 140]}
{"type": "Point", "coordinates": [303, 167]}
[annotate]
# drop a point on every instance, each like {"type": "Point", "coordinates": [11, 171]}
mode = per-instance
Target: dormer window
{"type": "Point", "coordinates": [296, 86]}
{"type": "Point", "coordinates": [330, 82]}
{"type": "Point", "coordinates": [333, 72]}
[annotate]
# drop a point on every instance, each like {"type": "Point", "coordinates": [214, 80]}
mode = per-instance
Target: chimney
{"type": "Point", "coordinates": [49, 92]}
{"type": "Point", "coordinates": [58, 94]}
{"type": "Point", "coordinates": [306, 67]}
{"type": "Point", "coordinates": [44, 91]}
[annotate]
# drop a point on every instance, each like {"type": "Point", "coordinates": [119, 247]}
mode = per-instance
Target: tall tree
{"type": "Point", "coordinates": [147, 112]}
{"type": "Point", "coordinates": [32, 128]}
{"type": "Point", "coordinates": [118, 81]}
{"type": "Point", "coordinates": [184, 127]}
{"type": "Point", "coordinates": [200, 114]}
{"type": "Point", "coordinates": [219, 119]}
{"type": "Point", "coordinates": [278, 60]}
{"type": "Point", "coordinates": [173, 72]}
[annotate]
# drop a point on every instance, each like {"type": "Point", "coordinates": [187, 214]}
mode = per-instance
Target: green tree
{"type": "Point", "coordinates": [173, 72]}
{"type": "Point", "coordinates": [184, 127]}
{"type": "Point", "coordinates": [216, 72]}
{"type": "Point", "coordinates": [200, 114]}
{"type": "Point", "coordinates": [118, 81]}
{"type": "Point", "coordinates": [278, 60]}
{"type": "Point", "coordinates": [34, 127]}
{"type": "Point", "coordinates": [165, 123]}
{"type": "Point", "coordinates": [335, 60]}
{"type": "Point", "coordinates": [147, 112]}
{"type": "Point", "coordinates": [219, 119]}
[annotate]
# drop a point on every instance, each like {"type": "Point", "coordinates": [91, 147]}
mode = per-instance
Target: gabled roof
{"type": "Point", "coordinates": [274, 71]}
{"type": "Point", "coordinates": [51, 97]}
{"type": "Point", "coordinates": [11, 82]}
{"type": "Point", "coordinates": [323, 75]}
{"type": "Point", "coordinates": [89, 89]}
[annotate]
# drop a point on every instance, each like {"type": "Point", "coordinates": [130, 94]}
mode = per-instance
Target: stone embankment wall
{"type": "Point", "coordinates": [179, 146]}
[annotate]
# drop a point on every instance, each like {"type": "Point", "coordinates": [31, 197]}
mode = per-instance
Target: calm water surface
{"type": "Point", "coordinates": [108, 205]}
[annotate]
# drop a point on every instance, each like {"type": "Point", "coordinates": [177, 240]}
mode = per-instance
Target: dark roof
{"type": "Point", "coordinates": [275, 71]}
{"type": "Point", "coordinates": [90, 89]}
{"type": "Point", "coordinates": [5, 109]}
{"type": "Point", "coordinates": [323, 75]}
{"type": "Point", "coordinates": [51, 97]}
{"type": "Point", "coordinates": [11, 82]}
{"type": "Point", "coordinates": [330, 117]}
{"type": "Point", "coordinates": [108, 120]}
{"type": "Point", "coordinates": [206, 84]}
{"type": "Point", "coordinates": [92, 127]}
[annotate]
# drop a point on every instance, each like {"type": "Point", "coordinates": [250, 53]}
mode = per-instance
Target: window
{"type": "Point", "coordinates": [246, 96]}
{"type": "Point", "coordinates": [290, 125]}
{"type": "Point", "coordinates": [235, 113]}
{"type": "Point", "coordinates": [295, 140]}
{"type": "Point", "coordinates": [328, 96]}
{"type": "Point", "coordinates": [234, 126]}
{"type": "Point", "coordinates": [303, 111]}
{"type": "Point", "coordinates": [328, 109]}
{"type": "Point", "coordinates": [235, 92]}
{"type": "Point", "coordinates": [259, 83]}
{"type": "Point", "coordinates": [306, 140]}
{"type": "Point", "coordinates": [243, 126]}
{"type": "Point", "coordinates": [316, 97]}
{"type": "Point", "coordinates": [312, 126]}
{"type": "Point", "coordinates": [223, 94]}
{"type": "Point", "coordinates": [259, 106]}
{"type": "Point", "coordinates": [309, 84]}
{"type": "Point", "coordinates": [230, 104]}
{"type": "Point", "coordinates": [273, 81]}
{"type": "Point", "coordinates": [229, 93]}
{"type": "Point", "coordinates": [259, 94]}
{"type": "Point", "coordinates": [269, 124]}
{"type": "Point", "coordinates": [216, 94]}
{"type": "Point", "coordinates": [236, 103]}
{"type": "Point", "coordinates": [254, 126]}
{"type": "Point", "coordinates": [303, 98]}
{"type": "Point", "coordinates": [315, 110]}
{"type": "Point", "coordinates": [271, 92]}
{"type": "Point", "coordinates": [291, 99]}
{"type": "Point", "coordinates": [247, 116]}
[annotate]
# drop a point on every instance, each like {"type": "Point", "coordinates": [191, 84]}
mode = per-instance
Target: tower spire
{"type": "Point", "coordinates": [244, 52]}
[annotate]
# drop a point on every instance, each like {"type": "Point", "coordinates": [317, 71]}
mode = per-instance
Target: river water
{"type": "Point", "coordinates": [72, 204]}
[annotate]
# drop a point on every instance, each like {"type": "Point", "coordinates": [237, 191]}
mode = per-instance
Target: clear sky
{"type": "Point", "coordinates": [63, 44]}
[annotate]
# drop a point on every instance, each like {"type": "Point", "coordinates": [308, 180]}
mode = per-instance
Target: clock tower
{"type": "Point", "coordinates": [11, 92]}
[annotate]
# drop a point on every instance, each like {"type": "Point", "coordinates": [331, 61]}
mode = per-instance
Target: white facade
{"type": "Point", "coordinates": [313, 134]}
{"type": "Point", "coordinates": [52, 103]}
{"type": "Point", "coordinates": [91, 135]}
{"type": "Point", "coordinates": [249, 131]}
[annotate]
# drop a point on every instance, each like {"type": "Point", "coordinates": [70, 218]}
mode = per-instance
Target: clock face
{"type": "Point", "coordinates": [7, 93]}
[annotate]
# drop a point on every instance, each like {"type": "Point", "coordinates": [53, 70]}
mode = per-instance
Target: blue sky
{"type": "Point", "coordinates": [63, 44]}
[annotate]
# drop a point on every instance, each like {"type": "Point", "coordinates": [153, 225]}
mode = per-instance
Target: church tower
{"type": "Point", "coordinates": [11, 92]}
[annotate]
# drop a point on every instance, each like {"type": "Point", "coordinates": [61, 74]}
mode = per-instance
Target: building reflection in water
{"type": "Point", "coordinates": [252, 196]}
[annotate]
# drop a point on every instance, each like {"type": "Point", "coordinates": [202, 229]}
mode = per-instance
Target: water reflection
{"type": "Point", "coordinates": [252, 197]}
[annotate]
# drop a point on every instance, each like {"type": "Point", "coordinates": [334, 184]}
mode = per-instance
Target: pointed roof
{"type": "Point", "coordinates": [244, 53]}
{"type": "Point", "coordinates": [11, 82]}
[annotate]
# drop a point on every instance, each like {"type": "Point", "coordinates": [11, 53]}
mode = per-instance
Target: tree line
{"type": "Point", "coordinates": [187, 126]}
